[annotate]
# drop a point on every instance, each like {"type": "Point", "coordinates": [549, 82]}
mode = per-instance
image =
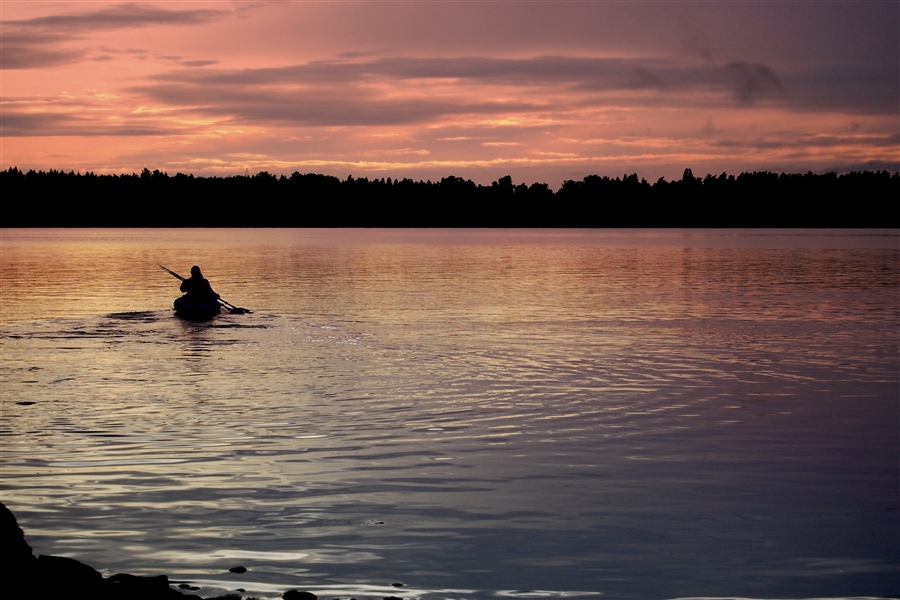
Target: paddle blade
{"type": "Point", "coordinates": [235, 310]}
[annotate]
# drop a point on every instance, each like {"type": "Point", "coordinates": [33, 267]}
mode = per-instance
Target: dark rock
{"type": "Point", "coordinates": [135, 587]}
{"type": "Point", "coordinates": [295, 595]}
{"type": "Point", "coordinates": [67, 569]}
{"type": "Point", "coordinates": [138, 582]}
{"type": "Point", "coordinates": [398, 584]}
{"type": "Point", "coordinates": [392, 598]}
{"type": "Point", "coordinates": [19, 563]}
{"type": "Point", "coordinates": [26, 403]}
{"type": "Point", "coordinates": [62, 577]}
{"type": "Point", "coordinates": [17, 554]}
{"type": "Point", "coordinates": [59, 577]}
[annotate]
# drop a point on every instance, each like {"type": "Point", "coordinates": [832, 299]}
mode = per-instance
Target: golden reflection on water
{"type": "Point", "coordinates": [561, 410]}
{"type": "Point", "coordinates": [507, 275]}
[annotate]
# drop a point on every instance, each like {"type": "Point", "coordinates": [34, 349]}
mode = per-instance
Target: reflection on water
{"type": "Point", "coordinates": [474, 413]}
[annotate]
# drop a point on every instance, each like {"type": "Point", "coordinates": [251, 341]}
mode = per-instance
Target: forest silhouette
{"type": "Point", "coordinates": [155, 199]}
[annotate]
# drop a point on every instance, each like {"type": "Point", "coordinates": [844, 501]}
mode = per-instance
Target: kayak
{"type": "Point", "coordinates": [194, 310]}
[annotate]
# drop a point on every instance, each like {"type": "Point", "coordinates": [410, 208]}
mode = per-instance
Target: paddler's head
{"type": "Point", "coordinates": [195, 271]}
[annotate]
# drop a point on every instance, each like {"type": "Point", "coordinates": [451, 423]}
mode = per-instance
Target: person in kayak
{"type": "Point", "coordinates": [197, 288]}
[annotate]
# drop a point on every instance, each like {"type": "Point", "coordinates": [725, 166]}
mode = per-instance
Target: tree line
{"type": "Point", "coordinates": [156, 199]}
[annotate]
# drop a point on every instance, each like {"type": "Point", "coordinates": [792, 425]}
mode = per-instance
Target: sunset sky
{"type": "Point", "coordinates": [543, 91]}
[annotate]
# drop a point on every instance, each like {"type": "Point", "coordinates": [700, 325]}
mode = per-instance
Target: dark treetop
{"type": "Point", "coordinates": [155, 199]}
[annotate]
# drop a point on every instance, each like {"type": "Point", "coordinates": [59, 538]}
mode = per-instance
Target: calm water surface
{"type": "Point", "coordinates": [473, 414]}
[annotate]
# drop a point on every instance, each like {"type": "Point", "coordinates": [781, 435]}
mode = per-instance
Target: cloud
{"type": "Point", "coordinates": [854, 89]}
{"type": "Point", "coordinates": [17, 123]}
{"type": "Point", "coordinates": [44, 42]}
{"type": "Point", "coordinates": [332, 106]}
{"type": "Point", "coordinates": [397, 90]}
{"type": "Point", "coordinates": [581, 72]}
{"type": "Point", "coordinates": [35, 55]}
{"type": "Point", "coordinates": [199, 63]}
{"type": "Point", "coordinates": [791, 140]}
{"type": "Point", "coordinates": [504, 106]}
{"type": "Point", "coordinates": [750, 82]}
{"type": "Point", "coordinates": [403, 90]}
{"type": "Point", "coordinates": [116, 17]}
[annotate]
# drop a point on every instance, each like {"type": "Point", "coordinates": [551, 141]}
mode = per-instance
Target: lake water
{"type": "Point", "coordinates": [473, 414]}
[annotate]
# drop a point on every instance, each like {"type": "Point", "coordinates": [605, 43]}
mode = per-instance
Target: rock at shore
{"type": "Point", "coordinates": [295, 595]}
{"type": "Point", "coordinates": [17, 554]}
{"type": "Point", "coordinates": [61, 578]}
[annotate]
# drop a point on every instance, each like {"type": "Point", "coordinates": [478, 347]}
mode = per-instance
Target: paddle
{"type": "Point", "coordinates": [231, 307]}
{"type": "Point", "coordinates": [235, 309]}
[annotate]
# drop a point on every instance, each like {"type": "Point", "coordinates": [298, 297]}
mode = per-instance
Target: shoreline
{"type": "Point", "coordinates": [757, 199]}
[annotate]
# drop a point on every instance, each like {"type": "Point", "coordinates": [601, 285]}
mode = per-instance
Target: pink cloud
{"type": "Point", "coordinates": [542, 90]}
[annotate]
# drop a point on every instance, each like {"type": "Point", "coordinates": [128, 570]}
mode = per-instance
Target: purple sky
{"type": "Point", "coordinates": [544, 91]}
